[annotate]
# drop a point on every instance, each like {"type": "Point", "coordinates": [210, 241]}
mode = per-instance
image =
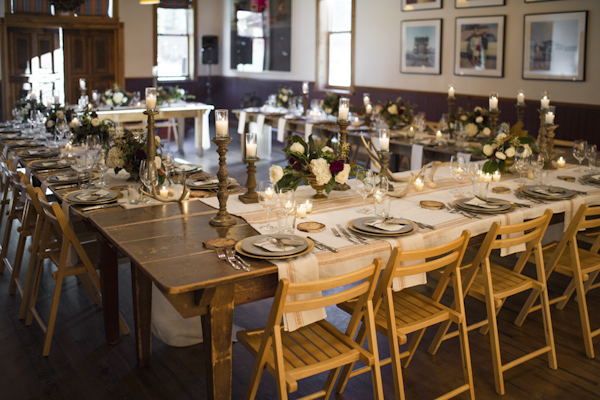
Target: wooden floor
{"type": "Point", "coordinates": [82, 366]}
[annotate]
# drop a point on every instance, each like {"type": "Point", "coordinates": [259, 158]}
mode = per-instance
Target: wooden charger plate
{"type": "Point", "coordinates": [311, 245]}
{"type": "Point", "coordinates": [311, 227]}
{"type": "Point", "coordinates": [383, 233]}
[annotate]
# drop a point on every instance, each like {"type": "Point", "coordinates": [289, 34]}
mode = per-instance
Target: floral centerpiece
{"type": "Point", "coordinates": [330, 104]}
{"type": "Point", "coordinates": [475, 122]}
{"type": "Point", "coordinates": [66, 5]}
{"type": "Point", "coordinates": [312, 163]}
{"type": "Point", "coordinates": [127, 150]}
{"type": "Point", "coordinates": [284, 97]}
{"type": "Point", "coordinates": [58, 112]}
{"type": "Point", "coordinates": [88, 124]}
{"type": "Point", "coordinates": [170, 94]}
{"type": "Point", "coordinates": [116, 97]}
{"type": "Point", "coordinates": [23, 108]}
{"type": "Point", "coordinates": [396, 113]}
{"type": "Point", "coordinates": [503, 147]}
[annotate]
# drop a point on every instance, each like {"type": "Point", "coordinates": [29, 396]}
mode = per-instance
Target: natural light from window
{"type": "Point", "coordinates": [174, 29]}
{"type": "Point", "coordinates": [340, 43]}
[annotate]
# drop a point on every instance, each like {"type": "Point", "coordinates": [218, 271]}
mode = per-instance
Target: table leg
{"type": "Point", "coordinates": [141, 287]}
{"type": "Point", "coordinates": [109, 280]}
{"type": "Point", "coordinates": [217, 327]}
{"type": "Point", "coordinates": [199, 132]}
{"type": "Point", "coordinates": [181, 134]}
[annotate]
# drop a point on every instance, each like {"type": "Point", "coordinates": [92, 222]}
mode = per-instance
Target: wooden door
{"type": "Point", "coordinates": [89, 54]}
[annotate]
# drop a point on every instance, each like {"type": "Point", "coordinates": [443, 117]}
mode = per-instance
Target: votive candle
{"type": "Point", "coordinates": [308, 205]}
{"type": "Point", "coordinates": [496, 177]}
{"type": "Point", "coordinates": [419, 184]}
{"type": "Point", "coordinates": [488, 177]}
{"type": "Point", "coordinates": [369, 109]}
{"type": "Point", "coordinates": [222, 123]}
{"type": "Point", "coordinates": [269, 193]}
{"type": "Point", "coordinates": [164, 192]}
{"type": "Point", "coordinates": [561, 162]}
{"type": "Point", "coordinates": [451, 91]}
{"type": "Point", "coordinates": [301, 211]}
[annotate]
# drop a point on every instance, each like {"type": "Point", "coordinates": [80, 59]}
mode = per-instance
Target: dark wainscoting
{"type": "Point", "coordinates": [577, 121]}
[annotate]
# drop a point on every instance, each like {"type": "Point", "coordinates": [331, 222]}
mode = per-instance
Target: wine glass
{"type": "Point", "coordinates": [382, 184]}
{"type": "Point", "coordinates": [267, 198]}
{"type": "Point", "coordinates": [148, 174]}
{"type": "Point", "coordinates": [473, 172]}
{"type": "Point", "coordinates": [458, 172]}
{"type": "Point", "coordinates": [591, 154]}
{"type": "Point", "coordinates": [102, 167]}
{"type": "Point", "coordinates": [522, 163]}
{"type": "Point", "coordinates": [365, 184]}
{"type": "Point", "coordinates": [579, 149]}
{"type": "Point", "coordinates": [286, 200]}
{"type": "Point", "coordinates": [92, 141]}
{"type": "Point", "coordinates": [537, 164]}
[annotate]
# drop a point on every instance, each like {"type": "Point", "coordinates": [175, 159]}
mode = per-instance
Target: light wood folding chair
{"type": "Point", "coordinates": [15, 211]}
{"type": "Point", "coordinates": [85, 269]}
{"type": "Point", "coordinates": [493, 284]}
{"type": "Point", "coordinates": [398, 314]}
{"type": "Point", "coordinates": [7, 170]}
{"type": "Point", "coordinates": [579, 264]}
{"type": "Point", "coordinates": [320, 346]}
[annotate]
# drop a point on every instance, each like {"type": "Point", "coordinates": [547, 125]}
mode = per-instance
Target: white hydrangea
{"type": "Point", "coordinates": [327, 149]}
{"type": "Point", "coordinates": [343, 175]}
{"type": "Point", "coordinates": [463, 117]}
{"type": "Point", "coordinates": [393, 109]}
{"type": "Point", "coordinates": [510, 152]}
{"type": "Point", "coordinates": [114, 159]}
{"type": "Point", "coordinates": [95, 122]}
{"type": "Point", "coordinates": [320, 168]}
{"type": "Point", "coordinates": [501, 136]}
{"type": "Point", "coordinates": [275, 173]}
{"type": "Point", "coordinates": [477, 109]}
{"type": "Point", "coordinates": [297, 148]}
{"type": "Point", "coordinates": [60, 114]}
{"type": "Point", "coordinates": [118, 98]}
{"type": "Point", "coordinates": [486, 131]}
{"type": "Point", "coordinates": [471, 129]}
{"type": "Point", "coordinates": [500, 155]}
{"type": "Point", "coordinates": [479, 119]}
{"type": "Point", "coordinates": [488, 150]}
{"type": "Point", "coordinates": [109, 102]}
{"type": "Point", "coordinates": [528, 151]}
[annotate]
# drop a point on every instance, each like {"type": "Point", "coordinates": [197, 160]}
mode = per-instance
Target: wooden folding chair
{"type": "Point", "coordinates": [493, 284]}
{"type": "Point", "coordinates": [15, 211]}
{"type": "Point", "coordinates": [398, 314]}
{"type": "Point", "coordinates": [578, 264]}
{"type": "Point", "coordinates": [7, 170]}
{"type": "Point", "coordinates": [317, 347]}
{"type": "Point", "coordinates": [84, 269]}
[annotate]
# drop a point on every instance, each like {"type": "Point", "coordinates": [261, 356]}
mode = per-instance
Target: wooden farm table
{"type": "Point", "coordinates": [181, 111]}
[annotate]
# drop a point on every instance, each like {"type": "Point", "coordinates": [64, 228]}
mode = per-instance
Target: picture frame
{"type": "Point", "coordinates": [554, 46]}
{"type": "Point", "coordinates": [537, 1]}
{"type": "Point", "coordinates": [421, 47]}
{"type": "Point", "coordinates": [477, 3]}
{"type": "Point", "coordinates": [418, 5]}
{"type": "Point", "coordinates": [479, 46]}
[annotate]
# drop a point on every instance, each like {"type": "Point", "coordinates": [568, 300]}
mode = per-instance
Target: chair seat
{"type": "Point", "coordinates": [505, 283]}
{"type": "Point", "coordinates": [91, 250]}
{"type": "Point", "coordinates": [589, 261]}
{"type": "Point", "coordinates": [315, 348]}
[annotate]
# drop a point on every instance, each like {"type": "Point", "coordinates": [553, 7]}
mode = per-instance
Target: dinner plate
{"type": "Point", "coordinates": [26, 143]}
{"type": "Point", "coordinates": [73, 197]}
{"type": "Point", "coordinates": [44, 152]}
{"type": "Point", "coordinates": [361, 225]}
{"type": "Point", "coordinates": [188, 167]}
{"type": "Point", "coordinates": [193, 185]}
{"type": "Point", "coordinates": [50, 163]}
{"type": "Point", "coordinates": [591, 178]}
{"type": "Point", "coordinates": [10, 136]}
{"type": "Point", "coordinates": [562, 195]}
{"type": "Point", "coordinates": [67, 177]}
{"type": "Point", "coordinates": [407, 230]}
{"type": "Point", "coordinates": [246, 247]}
{"type": "Point", "coordinates": [504, 208]}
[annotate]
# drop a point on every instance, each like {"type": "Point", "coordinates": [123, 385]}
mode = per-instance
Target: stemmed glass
{"type": "Point", "coordinates": [382, 185]}
{"type": "Point", "coordinates": [267, 198]}
{"type": "Point", "coordinates": [473, 171]}
{"type": "Point", "coordinates": [522, 163]}
{"type": "Point", "coordinates": [148, 174]}
{"type": "Point", "coordinates": [286, 200]}
{"type": "Point", "coordinates": [579, 149]}
{"type": "Point", "coordinates": [458, 173]}
{"type": "Point", "coordinates": [365, 184]}
{"type": "Point", "coordinates": [537, 163]}
{"type": "Point", "coordinates": [591, 154]}
{"type": "Point", "coordinates": [102, 167]}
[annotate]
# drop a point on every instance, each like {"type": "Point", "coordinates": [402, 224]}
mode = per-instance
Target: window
{"type": "Point", "coordinates": [175, 42]}
{"type": "Point", "coordinates": [335, 49]}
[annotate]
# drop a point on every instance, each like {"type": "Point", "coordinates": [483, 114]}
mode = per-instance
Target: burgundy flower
{"type": "Point", "coordinates": [336, 166]}
{"type": "Point", "coordinates": [140, 154]}
{"type": "Point", "coordinates": [298, 166]}
{"type": "Point", "coordinates": [400, 111]}
{"type": "Point", "coordinates": [291, 160]}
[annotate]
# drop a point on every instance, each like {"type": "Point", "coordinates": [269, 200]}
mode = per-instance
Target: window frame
{"type": "Point", "coordinates": [192, 46]}
{"type": "Point", "coordinates": [322, 51]}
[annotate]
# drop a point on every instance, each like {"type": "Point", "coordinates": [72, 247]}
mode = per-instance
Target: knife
{"type": "Point", "coordinates": [332, 249]}
{"type": "Point", "coordinates": [421, 224]}
{"type": "Point", "coordinates": [101, 207]}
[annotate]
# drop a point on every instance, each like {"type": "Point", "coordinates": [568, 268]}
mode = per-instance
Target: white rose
{"type": "Point", "coordinates": [297, 148]}
{"type": "Point", "coordinates": [275, 173]}
{"type": "Point", "coordinates": [463, 117]}
{"type": "Point", "coordinates": [74, 123]}
{"type": "Point", "coordinates": [510, 152]}
{"type": "Point", "coordinates": [528, 151]}
{"type": "Point", "coordinates": [24, 111]}
{"type": "Point", "coordinates": [477, 109]}
{"type": "Point", "coordinates": [321, 170]}
{"type": "Point", "coordinates": [118, 97]}
{"type": "Point", "coordinates": [488, 150]}
{"type": "Point", "coordinates": [500, 155]}
{"type": "Point", "coordinates": [60, 114]}
{"type": "Point", "coordinates": [50, 124]}
{"type": "Point", "coordinates": [327, 149]}
{"type": "Point", "coordinates": [157, 140]}
{"type": "Point", "coordinates": [109, 102]}
{"type": "Point", "coordinates": [486, 131]}
{"type": "Point", "coordinates": [501, 136]}
{"type": "Point", "coordinates": [393, 109]}
{"type": "Point", "coordinates": [284, 98]}
{"type": "Point", "coordinates": [95, 122]}
{"type": "Point", "coordinates": [343, 175]}
{"type": "Point", "coordinates": [471, 129]}
{"type": "Point", "coordinates": [479, 119]}
{"type": "Point", "coordinates": [328, 110]}
{"type": "Point", "coordinates": [157, 161]}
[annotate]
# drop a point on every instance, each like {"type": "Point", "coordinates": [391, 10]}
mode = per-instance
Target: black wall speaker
{"type": "Point", "coordinates": [210, 49]}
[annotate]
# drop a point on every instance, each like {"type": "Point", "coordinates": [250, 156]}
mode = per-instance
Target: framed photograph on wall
{"type": "Point", "coordinates": [536, 1]}
{"type": "Point", "coordinates": [417, 5]}
{"type": "Point", "coordinates": [554, 46]}
{"type": "Point", "coordinates": [477, 3]}
{"type": "Point", "coordinates": [421, 47]}
{"type": "Point", "coordinates": [479, 46]}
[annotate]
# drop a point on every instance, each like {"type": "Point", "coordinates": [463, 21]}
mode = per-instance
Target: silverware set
{"type": "Point", "coordinates": [453, 209]}
{"type": "Point", "coordinates": [521, 196]}
{"type": "Point", "coordinates": [499, 202]}
{"type": "Point", "coordinates": [229, 255]}
{"type": "Point", "coordinates": [344, 234]}
{"type": "Point", "coordinates": [588, 183]}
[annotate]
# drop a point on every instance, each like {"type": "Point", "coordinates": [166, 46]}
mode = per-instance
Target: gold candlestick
{"type": "Point", "coordinates": [520, 112]}
{"type": "Point", "coordinates": [385, 162]}
{"type": "Point", "coordinates": [222, 218]}
{"type": "Point", "coordinates": [368, 120]}
{"type": "Point", "coordinates": [494, 120]}
{"type": "Point", "coordinates": [451, 101]}
{"type": "Point", "coordinates": [305, 103]}
{"type": "Point", "coordinates": [250, 196]}
{"type": "Point", "coordinates": [542, 133]}
{"type": "Point", "coordinates": [550, 140]}
{"type": "Point", "coordinates": [151, 143]}
{"type": "Point", "coordinates": [343, 124]}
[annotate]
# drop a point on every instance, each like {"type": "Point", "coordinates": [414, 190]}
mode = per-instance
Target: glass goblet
{"type": "Point", "coordinates": [267, 198]}
{"type": "Point", "coordinates": [365, 185]}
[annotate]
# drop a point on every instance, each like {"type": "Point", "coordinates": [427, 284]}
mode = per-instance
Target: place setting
{"type": "Point", "coordinates": [92, 196]}
{"type": "Point", "coordinates": [274, 246]}
{"type": "Point", "coordinates": [546, 192]}
{"type": "Point", "coordinates": [383, 226]}
{"type": "Point", "coordinates": [68, 177]}
{"type": "Point", "coordinates": [187, 168]}
{"type": "Point", "coordinates": [485, 205]}
{"type": "Point", "coordinates": [51, 163]}
{"type": "Point", "coordinates": [208, 183]}
{"type": "Point", "coordinates": [27, 143]}
{"type": "Point", "coordinates": [43, 152]}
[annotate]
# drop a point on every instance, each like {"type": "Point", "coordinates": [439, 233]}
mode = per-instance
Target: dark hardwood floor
{"type": "Point", "coordinates": [82, 366]}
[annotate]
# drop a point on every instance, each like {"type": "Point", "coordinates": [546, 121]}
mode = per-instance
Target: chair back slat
{"type": "Point", "coordinates": [522, 227]}
{"type": "Point", "coordinates": [407, 270]}
{"type": "Point", "coordinates": [329, 283]}
{"type": "Point", "coordinates": [510, 242]}
{"type": "Point", "coordinates": [326, 301]}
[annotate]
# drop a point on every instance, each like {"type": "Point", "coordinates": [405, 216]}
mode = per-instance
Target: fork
{"type": "Point", "coordinates": [453, 209]}
{"type": "Point", "coordinates": [336, 234]}
{"type": "Point", "coordinates": [233, 257]}
{"type": "Point", "coordinates": [352, 235]}
{"type": "Point", "coordinates": [222, 256]}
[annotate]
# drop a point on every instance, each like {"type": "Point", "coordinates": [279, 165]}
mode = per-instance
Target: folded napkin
{"type": "Point", "coordinates": [475, 202]}
{"type": "Point", "coordinates": [205, 182]}
{"type": "Point", "coordinates": [389, 226]}
{"type": "Point", "coordinates": [273, 246]}
{"type": "Point", "coordinates": [97, 195]}
{"type": "Point", "coordinates": [597, 177]}
{"type": "Point", "coordinates": [548, 192]}
{"type": "Point", "coordinates": [64, 177]}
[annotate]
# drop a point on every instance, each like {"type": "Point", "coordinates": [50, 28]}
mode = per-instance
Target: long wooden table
{"type": "Point", "coordinates": [199, 111]}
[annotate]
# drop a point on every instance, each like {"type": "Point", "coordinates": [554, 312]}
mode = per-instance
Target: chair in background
{"type": "Point", "coordinates": [581, 265]}
{"type": "Point", "coordinates": [317, 347]}
{"type": "Point", "coordinates": [15, 211]}
{"type": "Point", "coordinates": [6, 184]}
{"type": "Point", "coordinates": [398, 314]}
{"type": "Point", "coordinates": [493, 284]}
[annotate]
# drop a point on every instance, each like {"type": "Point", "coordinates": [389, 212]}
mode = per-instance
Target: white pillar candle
{"type": "Point", "coordinates": [419, 184]}
{"type": "Point", "coordinates": [561, 162]}
{"type": "Point", "coordinates": [550, 118]}
{"type": "Point", "coordinates": [451, 92]}
{"type": "Point", "coordinates": [520, 97]}
{"type": "Point", "coordinates": [150, 102]}
{"type": "Point", "coordinates": [356, 121]}
{"type": "Point", "coordinates": [496, 177]}
{"type": "Point", "coordinates": [164, 192]}
{"type": "Point", "coordinates": [488, 177]}
{"type": "Point", "coordinates": [305, 88]}
{"type": "Point", "coordinates": [56, 99]}
{"type": "Point", "coordinates": [269, 193]}
{"type": "Point", "coordinates": [222, 129]}
{"type": "Point", "coordinates": [82, 85]}
{"type": "Point", "coordinates": [308, 205]}
{"type": "Point", "coordinates": [384, 144]}
{"type": "Point", "coordinates": [251, 150]}
{"type": "Point", "coordinates": [343, 113]}
{"type": "Point", "coordinates": [545, 102]}
{"type": "Point", "coordinates": [366, 100]}
{"type": "Point", "coordinates": [493, 103]}
{"type": "Point", "coordinates": [369, 109]}
{"type": "Point", "coordinates": [301, 211]}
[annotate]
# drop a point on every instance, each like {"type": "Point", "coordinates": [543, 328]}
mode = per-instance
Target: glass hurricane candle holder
{"type": "Point", "coordinates": [366, 99]}
{"type": "Point", "coordinates": [384, 139]}
{"type": "Point", "coordinates": [451, 91]}
{"type": "Point", "coordinates": [222, 123]}
{"type": "Point", "coordinates": [545, 101]}
{"type": "Point", "coordinates": [151, 98]}
{"type": "Point", "coordinates": [550, 114]}
{"type": "Point", "coordinates": [251, 145]}
{"type": "Point", "coordinates": [520, 97]}
{"type": "Point", "coordinates": [344, 109]}
{"type": "Point", "coordinates": [493, 101]}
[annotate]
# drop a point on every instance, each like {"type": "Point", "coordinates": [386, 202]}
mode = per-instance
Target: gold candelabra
{"type": "Point", "coordinates": [343, 124]}
{"type": "Point", "coordinates": [250, 196]}
{"type": "Point", "coordinates": [368, 120]}
{"type": "Point", "coordinates": [222, 218]}
{"type": "Point", "coordinates": [305, 103]}
{"type": "Point", "coordinates": [520, 112]}
{"type": "Point", "coordinates": [494, 120]}
{"type": "Point", "coordinates": [451, 101]}
{"type": "Point", "coordinates": [542, 138]}
{"type": "Point", "coordinates": [385, 162]}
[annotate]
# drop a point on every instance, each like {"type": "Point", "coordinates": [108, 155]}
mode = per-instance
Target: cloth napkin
{"type": "Point", "coordinates": [281, 129]}
{"type": "Point", "coordinates": [205, 182]}
{"type": "Point", "coordinates": [410, 242]}
{"type": "Point", "coordinates": [242, 122]}
{"type": "Point", "coordinates": [416, 157]}
{"type": "Point", "coordinates": [260, 122]}
{"type": "Point", "coordinates": [97, 195]}
{"type": "Point", "coordinates": [482, 204]}
{"type": "Point", "coordinates": [276, 248]}
{"type": "Point", "coordinates": [308, 130]}
{"type": "Point", "coordinates": [547, 192]}
{"type": "Point", "coordinates": [387, 226]}
{"type": "Point", "coordinates": [72, 257]}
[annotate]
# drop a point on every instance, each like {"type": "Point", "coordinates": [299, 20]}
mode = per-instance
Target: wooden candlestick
{"type": "Point", "coordinates": [550, 144]}
{"type": "Point", "coordinates": [222, 218]}
{"type": "Point", "coordinates": [368, 120]}
{"type": "Point", "coordinates": [494, 120]}
{"type": "Point", "coordinates": [305, 103]}
{"type": "Point", "coordinates": [542, 138]}
{"type": "Point", "coordinates": [250, 196]}
{"type": "Point", "coordinates": [151, 143]}
{"type": "Point", "coordinates": [343, 124]}
{"type": "Point", "coordinates": [520, 112]}
{"type": "Point", "coordinates": [451, 101]}
{"type": "Point", "coordinates": [385, 162]}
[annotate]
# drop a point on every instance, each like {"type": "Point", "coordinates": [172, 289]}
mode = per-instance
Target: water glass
{"type": "Point", "coordinates": [267, 198]}
{"type": "Point", "coordinates": [178, 176]}
{"type": "Point", "coordinates": [133, 194]}
{"type": "Point", "coordinates": [365, 184]}
{"type": "Point", "coordinates": [286, 221]}
{"type": "Point", "coordinates": [382, 206]}
{"type": "Point", "coordinates": [542, 177]}
{"type": "Point", "coordinates": [480, 188]}
{"type": "Point", "coordinates": [579, 151]}
{"type": "Point", "coordinates": [591, 154]}
{"type": "Point", "coordinates": [286, 199]}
